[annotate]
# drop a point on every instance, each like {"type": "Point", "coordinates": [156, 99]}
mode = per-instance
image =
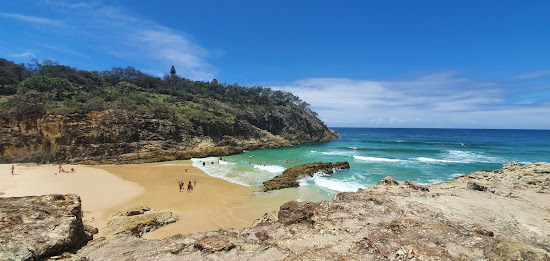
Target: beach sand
{"type": "Point", "coordinates": [108, 189]}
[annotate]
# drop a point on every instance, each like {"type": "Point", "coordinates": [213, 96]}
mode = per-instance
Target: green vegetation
{"type": "Point", "coordinates": [45, 87]}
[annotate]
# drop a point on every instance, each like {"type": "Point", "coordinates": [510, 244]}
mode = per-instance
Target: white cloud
{"type": "Point", "coordinates": [26, 54]}
{"type": "Point", "coordinates": [532, 75]}
{"type": "Point", "coordinates": [137, 41]}
{"type": "Point", "coordinates": [35, 20]}
{"type": "Point", "coordinates": [436, 100]}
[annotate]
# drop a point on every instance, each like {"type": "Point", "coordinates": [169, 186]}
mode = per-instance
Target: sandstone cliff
{"type": "Point", "coordinates": [119, 136]}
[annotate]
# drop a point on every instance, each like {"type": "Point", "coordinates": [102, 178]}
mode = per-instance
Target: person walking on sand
{"type": "Point", "coordinates": [189, 187]}
{"type": "Point", "coordinates": [194, 183]}
{"type": "Point", "coordinates": [12, 169]}
{"type": "Point", "coordinates": [180, 184]}
{"type": "Point", "coordinates": [60, 168]}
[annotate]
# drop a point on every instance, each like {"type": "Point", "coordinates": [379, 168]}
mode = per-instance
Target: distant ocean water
{"type": "Point", "coordinates": [425, 156]}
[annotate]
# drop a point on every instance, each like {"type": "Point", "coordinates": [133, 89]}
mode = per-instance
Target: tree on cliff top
{"type": "Point", "coordinates": [71, 90]}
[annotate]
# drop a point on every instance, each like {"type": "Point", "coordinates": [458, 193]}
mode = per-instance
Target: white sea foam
{"type": "Point", "coordinates": [470, 157]}
{"type": "Point", "coordinates": [226, 163]}
{"type": "Point", "coordinates": [320, 180]}
{"type": "Point", "coordinates": [456, 175]}
{"type": "Point", "coordinates": [430, 160]}
{"type": "Point", "coordinates": [217, 171]}
{"type": "Point", "coordinates": [353, 148]}
{"type": "Point", "coordinates": [457, 156]}
{"type": "Point", "coordinates": [375, 159]}
{"type": "Point", "coordinates": [270, 168]}
{"type": "Point", "coordinates": [337, 153]}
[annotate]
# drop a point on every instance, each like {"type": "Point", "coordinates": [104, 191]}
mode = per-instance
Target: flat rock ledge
{"type": "Point", "coordinates": [289, 178]}
{"type": "Point", "coordinates": [39, 227]}
{"type": "Point", "coordinates": [137, 221]}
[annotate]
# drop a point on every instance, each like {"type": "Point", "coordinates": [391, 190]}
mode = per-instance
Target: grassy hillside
{"type": "Point", "coordinates": [43, 88]}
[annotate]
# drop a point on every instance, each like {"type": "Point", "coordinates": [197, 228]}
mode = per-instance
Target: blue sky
{"type": "Point", "coordinates": [446, 64]}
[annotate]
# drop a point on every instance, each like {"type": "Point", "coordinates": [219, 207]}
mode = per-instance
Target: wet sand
{"type": "Point", "coordinates": [108, 189]}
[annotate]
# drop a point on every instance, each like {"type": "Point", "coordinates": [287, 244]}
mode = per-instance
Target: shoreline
{"type": "Point", "coordinates": [107, 189]}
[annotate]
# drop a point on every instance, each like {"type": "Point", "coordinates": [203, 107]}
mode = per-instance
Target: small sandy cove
{"type": "Point", "coordinates": [213, 204]}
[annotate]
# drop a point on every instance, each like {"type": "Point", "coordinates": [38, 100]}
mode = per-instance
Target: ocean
{"type": "Point", "coordinates": [425, 156]}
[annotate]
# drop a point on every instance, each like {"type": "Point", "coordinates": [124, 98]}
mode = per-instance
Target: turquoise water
{"type": "Point", "coordinates": [424, 156]}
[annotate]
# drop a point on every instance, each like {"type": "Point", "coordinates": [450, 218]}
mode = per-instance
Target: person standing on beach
{"type": "Point", "coordinates": [60, 168]}
{"type": "Point", "coordinates": [12, 169]}
{"type": "Point", "coordinates": [194, 183]}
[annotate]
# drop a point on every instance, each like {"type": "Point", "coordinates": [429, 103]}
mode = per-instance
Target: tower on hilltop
{"type": "Point", "coordinates": [173, 71]}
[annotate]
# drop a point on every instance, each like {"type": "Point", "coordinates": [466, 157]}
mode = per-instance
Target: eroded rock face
{"type": "Point", "coordinates": [389, 221]}
{"type": "Point", "coordinates": [118, 136]}
{"type": "Point", "coordinates": [289, 178]}
{"type": "Point", "coordinates": [41, 226]}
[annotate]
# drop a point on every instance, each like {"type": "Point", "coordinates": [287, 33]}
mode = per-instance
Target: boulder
{"type": "Point", "coordinates": [214, 244]}
{"type": "Point", "coordinates": [388, 181]}
{"type": "Point", "coordinates": [297, 212]}
{"type": "Point", "coordinates": [40, 226]}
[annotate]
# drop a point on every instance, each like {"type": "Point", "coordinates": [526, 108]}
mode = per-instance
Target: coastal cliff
{"type": "Point", "coordinates": [118, 136]}
{"type": "Point", "coordinates": [61, 114]}
{"type": "Point", "coordinates": [487, 215]}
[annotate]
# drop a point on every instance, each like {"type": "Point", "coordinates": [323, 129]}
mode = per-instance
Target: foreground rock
{"type": "Point", "coordinates": [40, 227]}
{"type": "Point", "coordinates": [508, 220]}
{"type": "Point", "coordinates": [137, 221]}
{"type": "Point", "coordinates": [289, 178]}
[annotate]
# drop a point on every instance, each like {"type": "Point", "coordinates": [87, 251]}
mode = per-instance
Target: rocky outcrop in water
{"type": "Point", "coordinates": [509, 220]}
{"type": "Point", "coordinates": [119, 136]}
{"type": "Point", "coordinates": [289, 178]}
{"type": "Point", "coordinates": [32, 228]}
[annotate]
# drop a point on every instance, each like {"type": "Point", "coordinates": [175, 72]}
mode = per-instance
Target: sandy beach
{"type": "Point", "coordinates": [107, 189]}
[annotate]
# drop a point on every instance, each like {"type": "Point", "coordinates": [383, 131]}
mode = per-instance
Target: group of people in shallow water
{"type": "Point", "coordinates": [190, 185]}
{"type": "Point", "coordinates": [211, 163]}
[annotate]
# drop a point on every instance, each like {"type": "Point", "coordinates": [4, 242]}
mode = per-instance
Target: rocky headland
{"type": "Point", "coordinates": [289, 178]}
{"type": "Point", "coordinates": [119, 136]}
{"type": "Point", "coordinates": [502, 214]}
{"type": "Point", "coordinates": [57, 113]}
